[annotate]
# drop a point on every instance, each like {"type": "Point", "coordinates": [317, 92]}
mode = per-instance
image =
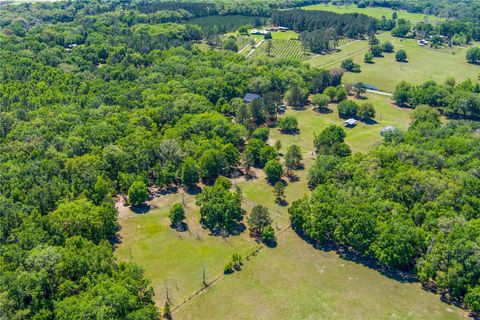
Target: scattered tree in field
{"type": "Point", "coordinates": [259, 218]}
{"type": "Point", "coordinates": [288, 124]}
{"type": "Point", "coordinates": [321, 101]}
{"type": "Point", "coordinates": [268, 235]}
{"type": "Point", "coordinates": [366, 111]}
{"type": "Point", "coordinates": [279, 191]}
{"type": "Point", "coordinates": [177, 215]}
{"type": "Point", "coordinates": [331, 142]}
{"type": "Point", "coordinates": [220, 209]}
{"type": "Point", "coordinates": [234, 264]}
{"type": "Point", "coordinates": [293, 158]}
{"type": "Point", "coordinates": [388, 47]}
{"type": "Point", "coordinates": [296, 97]}
{"type": "Point", "coordinates": [373, 40]}
{"type": "Point", "coordinates": [359, 89]}
{"type": "Point", "coordinates": [376, 50]}
{"type": "Point", "coordinates": [273, 170]}
{"type": "Point", "coordinates": [347, 109]}
{"type": "Point", "coordinates": [473, 55]}
{"type": "Point", "coordinates": [137, 193]}
{"type": "Point", "coordinates": [401, 55]}
{"type": "Point", "coordinates": [368, 58]}
{"type": "Point", "coordinates": [349, 65]}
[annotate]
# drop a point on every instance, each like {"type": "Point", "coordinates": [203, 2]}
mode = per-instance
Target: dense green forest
{"type": "Point", "coordinates": [93, 99]}
{"type": "Point", "coordinates": [105, 98]}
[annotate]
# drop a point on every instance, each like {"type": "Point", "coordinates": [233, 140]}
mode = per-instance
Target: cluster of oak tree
{"type": "Point", "coordinates": [454, 100]}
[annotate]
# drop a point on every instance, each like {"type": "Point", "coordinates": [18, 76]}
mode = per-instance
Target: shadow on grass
{"type": "Point", "coordinates": [323, 110]}
{"type": "Point", "coordinates": [141, 208]}
{"type": "Point", "coordinates": [370, 121]}
{"type": "Point", "coordinates": [181, 227]}
{"type": "Point", "coordinates": [349, 254]}
{"type": "Point", "coordinates": [193, 190]}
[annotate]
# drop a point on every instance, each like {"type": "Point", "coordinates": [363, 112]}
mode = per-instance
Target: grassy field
{"type": "Point", "coordinates": [293, 280]}
{"type": "Point", "coordinates": [360, 138]}
{"type": "Point", "coordinates": [346, 51]}
{"type": "Point", "coordinates": [375, 12]}
{"type": "Point", "coordinates": [423, 64]}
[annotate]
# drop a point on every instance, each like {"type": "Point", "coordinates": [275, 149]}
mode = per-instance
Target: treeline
{"type": "Point", "coordinates": [320, 28]}
{"type": "Point", "coordinates": [460, 100]}
{"type": "Point", "coordinates": [223, 7]}
{"type": "Point", "coordinates": [411, 203]}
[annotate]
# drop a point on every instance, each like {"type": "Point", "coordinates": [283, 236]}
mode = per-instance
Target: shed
{"type": "Point", "coordinates": [249, 97]}
{"type": "Point", "coordinates": [350, 122]}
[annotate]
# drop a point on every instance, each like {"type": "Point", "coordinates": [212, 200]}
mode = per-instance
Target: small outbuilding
{"type": "Point", "coordinates": [350, 122]}
{"type": "Point", "coordinates": [249, 97]}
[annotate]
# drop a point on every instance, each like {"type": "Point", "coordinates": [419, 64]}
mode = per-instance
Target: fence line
{"type": "Point", "coordinates": [220, 276]}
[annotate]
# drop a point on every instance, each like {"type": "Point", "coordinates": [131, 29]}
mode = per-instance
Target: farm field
{"type": "Point", "coordinates": [375, 12]}
{"type": "Point", "coordinates": [287, 46]}
{"type": "Point", "coordinates": [176, 260]}
{"type": "Point", "coordinates": [282, 49]}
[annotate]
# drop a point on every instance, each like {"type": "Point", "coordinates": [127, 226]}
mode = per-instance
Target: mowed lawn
{"type": "Point", "coordinates": [362, 137]}
{"type": "Point", "coordinates": [375, 12]}
{"type": "Point", "coordinates": [296, 281]}
{"type": "Point", "coordinates": [423, 64]}
{"type": "Point", "coordinates": [175, 259]}
{"type": "Point", "coordinates": [334, 59]}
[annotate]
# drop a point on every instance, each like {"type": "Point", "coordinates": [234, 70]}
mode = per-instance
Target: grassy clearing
{"type": "Point", "coordinates": [293, 280]}
{"type": "Point", "coordinates": [375, 12]}
{"type": "Point", "coordinates": [296, 281]}
{"type": "Point", "coordinates": [423, 64]}
{"type": "Point", "coordinates": [360, 138]}
{"type": "Point", "coordinates": [331, 60]}
{"type": "Point", "coordinates": [172, 258]}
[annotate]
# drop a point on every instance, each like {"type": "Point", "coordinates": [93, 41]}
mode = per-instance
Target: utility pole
{"type": "Point", "coordinates": [205, 276]}
{"type": "Point", "coordinates": [166, 291]}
